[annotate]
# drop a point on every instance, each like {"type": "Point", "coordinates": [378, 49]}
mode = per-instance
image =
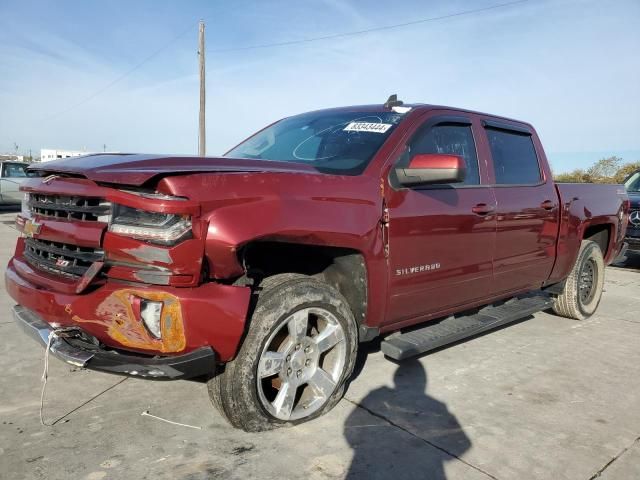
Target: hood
{"type": "Point", "coordinates": [137, 169]}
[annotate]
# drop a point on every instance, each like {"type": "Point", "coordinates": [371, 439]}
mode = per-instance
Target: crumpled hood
{"type": "Point", "coordinates": [137, 169]}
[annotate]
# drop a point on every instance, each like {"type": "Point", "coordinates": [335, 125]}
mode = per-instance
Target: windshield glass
{"type": "Point", "coordinates": [333, 142]}
{"type": "Point", "coordinates": [633, 183]}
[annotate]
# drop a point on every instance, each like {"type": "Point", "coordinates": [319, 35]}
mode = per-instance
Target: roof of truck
{"type": "Point", "coordinates": [380, 107]}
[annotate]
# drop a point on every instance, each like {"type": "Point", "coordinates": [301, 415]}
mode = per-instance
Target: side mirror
{"type": "Point", "coordinates": [432, 168]}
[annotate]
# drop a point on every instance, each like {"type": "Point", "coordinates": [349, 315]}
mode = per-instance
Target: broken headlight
{"type": "Point", "coordinates": [153, 227]}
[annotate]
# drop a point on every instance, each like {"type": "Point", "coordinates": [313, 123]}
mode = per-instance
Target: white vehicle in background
{"type": "Point", "coordinates": [12, 174]}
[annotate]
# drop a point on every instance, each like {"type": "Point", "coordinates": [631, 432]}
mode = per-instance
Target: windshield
{"type": "Point", "coordinates": [333, 142]}
{"type": "Point", "coordinates": [633, 183]}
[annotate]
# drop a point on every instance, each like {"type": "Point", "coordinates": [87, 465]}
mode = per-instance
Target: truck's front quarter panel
{"type": "Point", "coordinates": [300, 209]}
{"type": "Point", "coordinates": [71, 270]}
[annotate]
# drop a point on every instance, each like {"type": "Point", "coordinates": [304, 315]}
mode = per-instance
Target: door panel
{"type": "Point", "coordinates": [441, 237]}
{"type": "Point", "coordinates": [440, 250]}
{"type": "Point", "coordinates": [527, 209]}
{"type": "Point", "coordinates": [526, 237]}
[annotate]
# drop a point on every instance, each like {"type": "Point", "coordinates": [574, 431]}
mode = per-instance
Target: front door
{"type": "Point", "coordinates": [441, 237]}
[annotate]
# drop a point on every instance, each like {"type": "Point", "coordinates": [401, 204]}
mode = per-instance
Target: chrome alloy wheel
{"type": "Point", "coordinates": [301, 364]}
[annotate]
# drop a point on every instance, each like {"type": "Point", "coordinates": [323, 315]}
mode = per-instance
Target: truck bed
{"type": "Point", "coordinates": [588, 206]}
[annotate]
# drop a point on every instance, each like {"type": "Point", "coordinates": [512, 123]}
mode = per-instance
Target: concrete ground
{"type": "Point", "coordinates": [547, 398]}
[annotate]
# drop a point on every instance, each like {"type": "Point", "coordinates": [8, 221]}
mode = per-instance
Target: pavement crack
{"type": "Point", "coordinates": [437, 447]}
{"type": "Point", "coordinates": [599, 473]}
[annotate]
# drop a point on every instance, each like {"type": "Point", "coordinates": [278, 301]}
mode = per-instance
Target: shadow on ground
{"type": "Point", "coordinates": [435, 434]}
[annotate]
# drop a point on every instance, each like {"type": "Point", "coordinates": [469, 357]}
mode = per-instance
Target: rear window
{"type": "Point", "coordinates": [514, 157]}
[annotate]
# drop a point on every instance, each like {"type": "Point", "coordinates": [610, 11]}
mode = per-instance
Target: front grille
{"type": "Point", "coordinates": [91, 209]}
{"type": "Point", "coordinates": [63, 259]}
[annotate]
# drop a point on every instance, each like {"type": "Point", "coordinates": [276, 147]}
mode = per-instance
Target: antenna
{"type": "Point", "coordinates": [393, 101]}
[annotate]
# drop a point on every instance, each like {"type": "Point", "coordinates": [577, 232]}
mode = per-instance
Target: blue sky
{"type": "Point", "coordinates": [570, 67]}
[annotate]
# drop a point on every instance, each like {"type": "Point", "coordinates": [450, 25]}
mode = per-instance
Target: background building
{"type": "Point", "coordinates": [47, 154]}
{"type": "Point", "coordinates": [12, 158]}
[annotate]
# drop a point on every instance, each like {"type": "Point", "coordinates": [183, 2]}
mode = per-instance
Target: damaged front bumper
{"type": "Point", "coordinates": [77, 351]}
{"type": "Point", "coordinates": [210, 315]}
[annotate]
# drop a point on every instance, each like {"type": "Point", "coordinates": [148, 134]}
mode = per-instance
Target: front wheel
{"type": "Point", "coordinates": [299, 351]}
{"type": "Point", "coordinates": [583, 287]}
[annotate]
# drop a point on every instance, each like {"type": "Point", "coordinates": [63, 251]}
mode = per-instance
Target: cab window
{"type": "Point", "coordinates": [449, 138]}
{"type": "Point", "coordinates": [514, 157]}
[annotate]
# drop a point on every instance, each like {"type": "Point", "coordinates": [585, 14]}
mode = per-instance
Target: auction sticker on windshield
{"type": "Point", "coordinates": [367, 127]}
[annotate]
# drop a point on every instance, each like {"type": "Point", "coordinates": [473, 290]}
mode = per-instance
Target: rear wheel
{"type": "Point", "coordinates": [297, 355]}
{"type": "Point", "coordinates": [583, 287]}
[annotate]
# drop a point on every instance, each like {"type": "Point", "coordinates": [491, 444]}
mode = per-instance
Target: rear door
{"type": "Point", "coordinates": [13, 174]}
{"type": "Point", "coordinates": [527, 206]}
{"type": "Point", "coordinates": [440, 250]}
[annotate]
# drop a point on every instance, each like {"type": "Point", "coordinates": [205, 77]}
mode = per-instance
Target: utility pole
{"type": "Point", "coordinates": [202, 140]}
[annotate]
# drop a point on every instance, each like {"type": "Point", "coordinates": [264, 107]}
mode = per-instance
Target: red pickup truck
{"type": "Point", "coordinates": [263, 269]}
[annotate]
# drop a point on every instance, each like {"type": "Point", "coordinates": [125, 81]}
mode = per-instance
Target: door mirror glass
{"type": "Point", "coordinates": [432, 168]}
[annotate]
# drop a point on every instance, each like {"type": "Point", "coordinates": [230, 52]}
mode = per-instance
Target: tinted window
{"type": "Point", "coordinates": [633, 183]}
{"type": "Point", "coordinates": [14, 170]}
{"type": "Point", "coordinates": [514, 157]}
{"type": "Point", "coordinates": [452, 139]}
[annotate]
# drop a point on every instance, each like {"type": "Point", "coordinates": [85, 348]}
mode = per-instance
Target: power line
{"type": "Point", "coordinates": [122, 76]}
{"type": "Point", "coordinates": [368, 30]}
{"type": "Point", "coordinates": [277, 44]}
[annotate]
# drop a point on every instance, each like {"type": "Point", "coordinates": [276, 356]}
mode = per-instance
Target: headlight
{"type": "Point", "coordinates": [25, 210]}
{"type": "Point", "coordinates": [154, 227]}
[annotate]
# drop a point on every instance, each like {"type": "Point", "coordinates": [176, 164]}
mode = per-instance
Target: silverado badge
{"type": "Point", "coordinates": [31, 228]}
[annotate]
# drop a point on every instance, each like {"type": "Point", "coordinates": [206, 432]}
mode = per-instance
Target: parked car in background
{"type": "Point", "coordinates": [632, 184]}
{"type": "Point", "coordinates": [12, 175]}
{"type": "Point", "coordinates": [264, 269]}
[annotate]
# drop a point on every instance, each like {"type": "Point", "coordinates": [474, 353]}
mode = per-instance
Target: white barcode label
{"type": "Point", "coordinates": [367, 127]}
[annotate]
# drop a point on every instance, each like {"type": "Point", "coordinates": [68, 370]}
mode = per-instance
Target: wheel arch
{"type": "Point", "coordinates": [602, 235]}
{"type": "Point", "coordinates": [343, 268]}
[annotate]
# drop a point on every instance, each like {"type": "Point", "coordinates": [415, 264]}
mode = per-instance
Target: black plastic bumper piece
{"type": "Point", "coordinates": [633, 244]}
{"type": "Point", "coordinates": [81, 353]}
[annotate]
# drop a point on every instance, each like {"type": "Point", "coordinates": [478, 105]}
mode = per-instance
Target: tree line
{"type": "Point", "coordinates": [605, 170]}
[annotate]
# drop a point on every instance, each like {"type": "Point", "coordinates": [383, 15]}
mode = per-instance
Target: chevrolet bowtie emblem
{"type": "Point", "coordinates": [31, 228]}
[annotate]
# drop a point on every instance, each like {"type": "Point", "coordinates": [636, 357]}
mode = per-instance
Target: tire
{"type": "Point", "coordinates": [583, 287]}
{"type": "Point", "coordinates": [265, 387]}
